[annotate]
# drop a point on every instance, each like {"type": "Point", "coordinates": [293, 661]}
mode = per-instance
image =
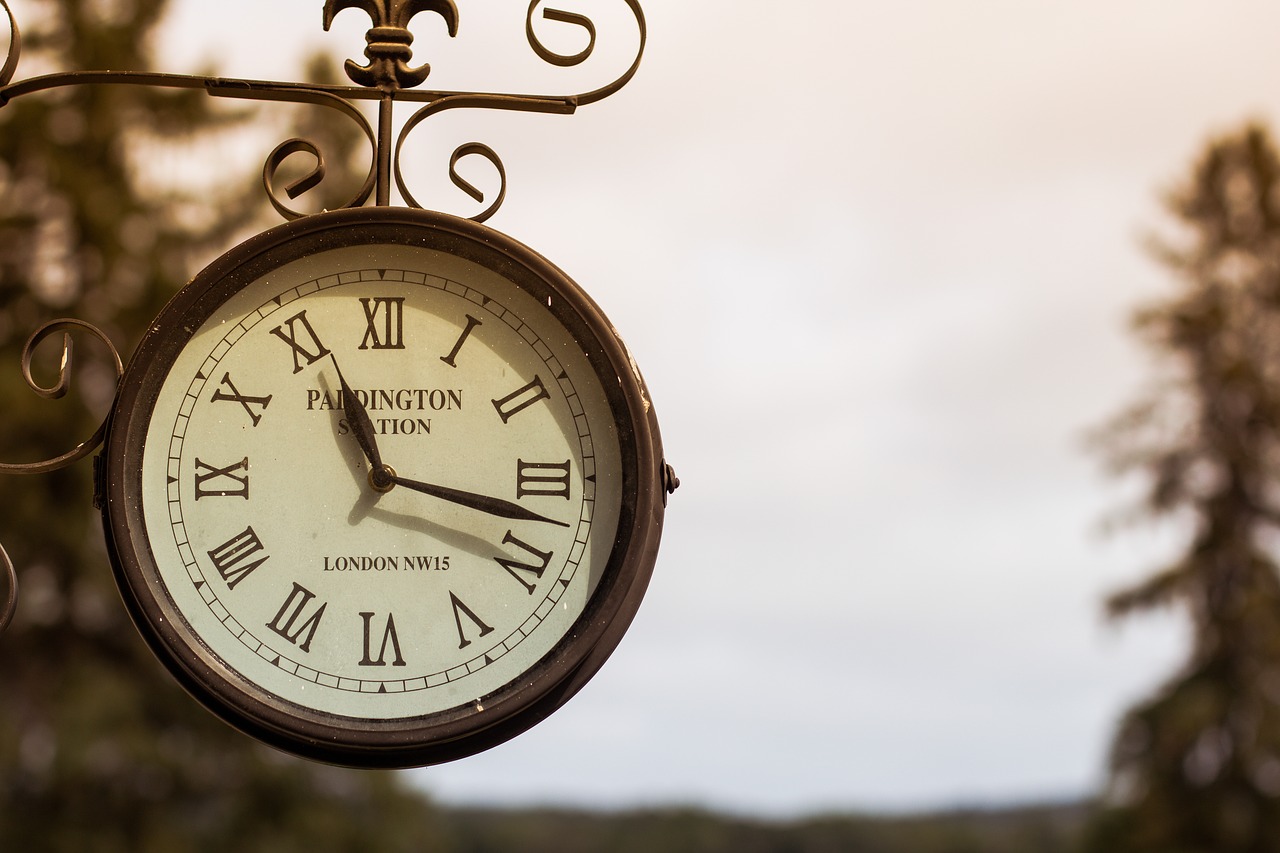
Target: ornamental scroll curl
{"type": "Point", "coordinates": [52, 392]}
{"type": "Point", "coordinates": [59, 390]}
{"type": "Point", "coordinates": [387, 76]}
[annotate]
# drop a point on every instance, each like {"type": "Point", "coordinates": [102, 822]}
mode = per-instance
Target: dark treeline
{"type": "Point", "coordinates": [1043, 829]}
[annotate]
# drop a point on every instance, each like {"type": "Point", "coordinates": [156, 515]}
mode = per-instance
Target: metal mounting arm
{"type": "Point", "coordinates": [386, 78]}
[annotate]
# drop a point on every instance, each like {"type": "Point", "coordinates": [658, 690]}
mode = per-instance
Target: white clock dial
{"type": "Point", "coordinates": [378, 486]}
{"type": "Point", "coordinates": [329, 593]}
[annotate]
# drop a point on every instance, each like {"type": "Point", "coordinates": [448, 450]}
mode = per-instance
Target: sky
{"type": "Point", "coordinates": [875, 260]}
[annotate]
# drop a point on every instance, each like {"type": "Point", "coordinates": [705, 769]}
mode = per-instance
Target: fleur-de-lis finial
{"type": "Point", "coordinates": [389, 39]}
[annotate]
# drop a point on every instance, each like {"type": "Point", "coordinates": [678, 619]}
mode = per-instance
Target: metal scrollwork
{"type": "Point", "coordinates": [389, 39]}
{"type": "Point", "coordinates": [466, 150]}
{"type": "Point", "coordinates": [551, 56]}
{"type": "Point", "coordinates": [52, 392]}
{"type": "Point", "coordinates": [10, 603]}
{"type": "Point", "coordinates": [388, 76]}
{"type": "Point", "coordinates": [59, 390]}
{"type": "Point", "coordinates": [290, 147]}
{"type": "Point", "coordinates": [10, 66]}
{"type": "Point", "coordinates": [461, 183]}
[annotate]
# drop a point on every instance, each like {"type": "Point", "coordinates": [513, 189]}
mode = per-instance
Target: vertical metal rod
{"type": "Point", "coordinates": [383, 196]}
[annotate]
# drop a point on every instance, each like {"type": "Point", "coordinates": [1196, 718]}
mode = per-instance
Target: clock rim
{"type": "Point", "coordinates": [432, 738]}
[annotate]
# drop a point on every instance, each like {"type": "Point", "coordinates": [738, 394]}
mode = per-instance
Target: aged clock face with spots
{"type": "Point", "coordinates": [382, 487]}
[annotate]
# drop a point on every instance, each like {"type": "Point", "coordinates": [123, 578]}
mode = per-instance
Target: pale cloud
{"type": "Point", "coordinates": [874, 259]}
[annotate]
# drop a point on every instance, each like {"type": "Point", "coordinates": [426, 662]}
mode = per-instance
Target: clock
{"type": "Point", "coordinates": [382, 487]}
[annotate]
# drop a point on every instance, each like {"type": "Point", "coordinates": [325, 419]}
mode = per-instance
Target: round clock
{"type": "Point", "coordinates": [382, 487]}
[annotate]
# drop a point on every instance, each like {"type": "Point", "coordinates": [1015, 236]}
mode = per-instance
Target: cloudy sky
{"type": "Point", "coordinates": [875, 260]}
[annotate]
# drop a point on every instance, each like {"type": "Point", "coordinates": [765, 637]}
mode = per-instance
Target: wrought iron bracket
{"type": "Point", "coordinates": [387, 77]}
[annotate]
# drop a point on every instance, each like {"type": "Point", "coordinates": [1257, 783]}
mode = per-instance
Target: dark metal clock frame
{"type": "Point", "coordinates": [432, 738]}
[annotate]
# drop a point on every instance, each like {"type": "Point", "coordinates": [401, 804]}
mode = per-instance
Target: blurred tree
{"type": "Point", "coordinates": [1197, 767]}
{"type": "Point", "coordinates": [99, 749]}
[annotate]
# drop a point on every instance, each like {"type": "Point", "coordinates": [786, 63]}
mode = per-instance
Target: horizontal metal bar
{"type": "Point", "coordinates": [267, 90]}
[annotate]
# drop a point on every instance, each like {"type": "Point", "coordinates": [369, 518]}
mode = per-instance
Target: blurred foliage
{"type": "Point", "coordinates": [1196, 768]}
{"type": "Point", "coordinates": [99, 749]}
{"type": "Point", "coordinates": [1042, 829]}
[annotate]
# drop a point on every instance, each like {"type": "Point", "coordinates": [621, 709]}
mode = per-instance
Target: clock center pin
{"type": "Point", "coordinates": [382, 478]}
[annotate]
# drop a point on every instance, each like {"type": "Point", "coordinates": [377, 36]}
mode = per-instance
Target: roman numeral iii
{"type": "Point", "coordinates": [542, 478]}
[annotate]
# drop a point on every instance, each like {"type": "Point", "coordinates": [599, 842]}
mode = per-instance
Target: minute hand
{"type": "Point", "coordinates": [484, 503]}
{"type": "Point", "coordinates": [359, 422]}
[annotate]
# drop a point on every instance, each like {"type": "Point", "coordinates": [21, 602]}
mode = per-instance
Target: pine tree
{"type": "Point", "coordinates": [99, 749]}
{"type": "Point", "coordinates": [1197, 766]}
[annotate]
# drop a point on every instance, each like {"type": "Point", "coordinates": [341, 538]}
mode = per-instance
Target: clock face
{"type": "Point", "coordinates": [377, 487]}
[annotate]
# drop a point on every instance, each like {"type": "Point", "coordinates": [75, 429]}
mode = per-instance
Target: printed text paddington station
{"type": "Point", "coordinates": [390, 400]}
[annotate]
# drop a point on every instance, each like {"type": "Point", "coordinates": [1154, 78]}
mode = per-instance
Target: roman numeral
{"type": "Point", "coordinates": [227, 483]}
{"type": "Point", "coordinates": [521, 399]}
{"type": "Point", "coordinates": [512, 566]}
{"type": "Point", "coordinates": [310, 350]}
{"type": "Point", "coordinates": [542, 478]}
{"type": "Point", "coordinates": [389, 333]}
{"type": "Point", "coordinates": [290, 614]}
{"type": "Point", "coordinates": [236, 397]}
{"type": "Point", "coordinates": [234, 559]}
{"type": "Point", "coordinates": [472, 322]}
{"type": "Point", "coordinates": [388, 636]}
{"type": "Point", "coordinates": [458, 609]}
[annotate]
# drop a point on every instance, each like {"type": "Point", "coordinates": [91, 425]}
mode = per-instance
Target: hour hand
{"type": "Point", "coordinates": [484, 503]}
{"type": "Point", "coordinates": [380, 474]}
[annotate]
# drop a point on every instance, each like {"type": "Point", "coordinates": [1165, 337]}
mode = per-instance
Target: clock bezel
{"type": "Point", "coordinates": [436, 737]}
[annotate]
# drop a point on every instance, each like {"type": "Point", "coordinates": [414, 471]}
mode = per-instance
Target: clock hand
{"type": "Point", "coordinates": [484, 503]}
{"type": "Point", "coordinates": [379, 474]}
{"type": "Point", "coordinates": [383, 477]}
